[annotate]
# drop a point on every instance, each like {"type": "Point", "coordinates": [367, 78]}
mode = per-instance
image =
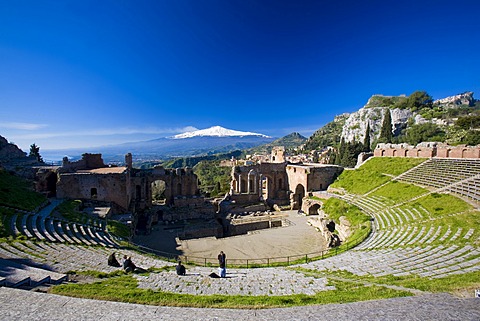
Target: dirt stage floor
{"type": "Point", "coordinates": [295, 239]}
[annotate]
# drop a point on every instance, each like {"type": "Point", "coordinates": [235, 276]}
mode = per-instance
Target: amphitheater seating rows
{"type": "Point", "coordinates": [406, 239]}
{"type": "Point", "coordinates": [55, 230]}
{"type": "Point", "coordinates": [462, 174]}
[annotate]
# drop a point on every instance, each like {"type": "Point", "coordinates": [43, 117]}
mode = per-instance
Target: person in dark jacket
{"type": "Point", "coordinates": [112, 260]}
{"type": "Point", "coordinates": [222, 263]}
{"type": "Point", "coordinates": [180, 268]}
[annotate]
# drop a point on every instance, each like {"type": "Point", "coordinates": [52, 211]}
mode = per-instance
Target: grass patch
{"type": "Point", "coordinates": [375, 172]}
{"type": "Point", "coordinates": [335, 208]}
{"type": "Point", "coordinates": [124, 289]}
{"type": "Point", "coordinates": [69, 209]}
{"type": "Point", "coordinates": [399, 192]}
{"type": "Point", "coordinates": [5, 216]}
{"type": "Point", "coordinates": [118, 229]}
{"type": "Point", "coordinates": [442, 204]}
{"type": "Point", "coordinates": [452, 283]}
{"type": "Point", "coordinates": [18, 193]}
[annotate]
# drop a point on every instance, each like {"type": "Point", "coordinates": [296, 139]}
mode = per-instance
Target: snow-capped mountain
{"type": "Point", "coordinates": [199, 142]}
{"type": "Point", "coordinates": [216, 131]}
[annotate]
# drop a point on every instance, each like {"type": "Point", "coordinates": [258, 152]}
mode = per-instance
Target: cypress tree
{"type": "Point", "coordinates": [366, 141]}
{"type": "Point", "coordinates": [386, 131]}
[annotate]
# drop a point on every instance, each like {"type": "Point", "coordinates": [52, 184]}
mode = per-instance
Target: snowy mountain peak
{"type": "Point", "coordinates": [216, 131]}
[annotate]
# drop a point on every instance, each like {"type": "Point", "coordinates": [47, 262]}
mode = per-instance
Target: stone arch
{"type": "Point", "coordinates": [383, 152]}
{"type": "Point", "coordinates": [298, 196]}
{"type": "Point", "coordinates": [243, 186]}
{"type": "Point", "coordinates": [464, 152]}
{"type": "Point", "coordinates": [394, 152]}
{"type": "Point", "coordinates": [93, 193]}
{"type": "Point", "coordinates": [51, 181]}
{"type": "Point", "coordinates": [252, 182]}
{"type": "Point", "coordinates": [313, 210]}
{"type": "Point", "coordinates": [266, 185]}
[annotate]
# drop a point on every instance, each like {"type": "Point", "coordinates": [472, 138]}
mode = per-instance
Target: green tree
{"type": "Point", "coordinates": [419, 99]}
{"type": "Point", "coordinates": [35, 152]}
{"type": "Point", "coordinates": [386, 130]}
{"type": "Point", "coordinates": [468, 122]}
{"type": "Point", "coordinates": [366, 141]}
{"type": "Point", "coordinates": [424, 133]}
{"type": "Point", "coordinates": [471, 138]}
{"type": "Point", "coordinates": [214, 179]}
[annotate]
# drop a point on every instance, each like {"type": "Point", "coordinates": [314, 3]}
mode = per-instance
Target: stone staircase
{"type": "Point", "coordinates": [16, 274]}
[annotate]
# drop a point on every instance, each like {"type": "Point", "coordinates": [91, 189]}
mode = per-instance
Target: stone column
{"type": "Point", "coordinates": [239, 184]}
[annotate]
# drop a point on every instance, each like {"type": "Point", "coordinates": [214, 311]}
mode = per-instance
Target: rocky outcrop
{"type": "Point", "coordinates": [9, 151]}
{"type": "Point", "coordinates": [356, 124]}
{"type": "Point", "coordinates": [457, 100]}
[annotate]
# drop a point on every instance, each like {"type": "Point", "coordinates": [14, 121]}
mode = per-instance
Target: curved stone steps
{"type": "Point", "coordinates": [43, 230]}
{"type": "Point", "coordinates": [409, 237]}
{"type": "Point", "coordinates": [382, 237]}
{"type": "Point", "coordinates": [50, 227]}
{"type": "Point", "coordinates": [12, 223]}
{"type": "Point", "coordinates": [84, 233]}
{"type": "Point", "coordinates": [401, 234]}
{"type": "Point", "coordinates": [70, 233]}
{"type": "Point", "coordinates": [57, 225]}
{"type": "Point", "coordinates": [418, 236]}
{"type": "Point", "coordinates": [24, 227]}
{"type": "Point", "coordinates": [101, 234]}
{"type": "Point", "coordinates": [32, 227]}
{"type": "Point", "coordinates": [78, 234]}
{"type": "Point", "coordinates": [93, 231]}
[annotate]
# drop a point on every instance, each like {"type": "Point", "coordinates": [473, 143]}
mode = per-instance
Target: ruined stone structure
{"type": "Point", "coordinates": [126, 188]}
{"type": "Point", "coordinates": [278, 182]}
{"type": "Point", "coordinates": [427, 150]}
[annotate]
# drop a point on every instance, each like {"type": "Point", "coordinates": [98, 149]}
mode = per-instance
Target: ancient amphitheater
{"type": "Point", "coordinates": [407, 240]}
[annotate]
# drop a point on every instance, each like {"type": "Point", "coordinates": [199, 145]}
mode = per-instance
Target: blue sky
{"type": "Point", "coordinates": [91, 73]}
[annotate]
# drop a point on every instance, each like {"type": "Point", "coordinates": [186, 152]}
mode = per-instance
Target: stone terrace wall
{"type": "Point", "coordinates": [427, 150]}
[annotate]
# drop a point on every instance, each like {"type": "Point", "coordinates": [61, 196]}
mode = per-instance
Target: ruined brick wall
{"type": "Point", "coordinates": [312, 178]}
{"type": "Point", "coordinates": [88, 161]}
{"type": "Point", "coordinates": [108, 187]}
{"type": "Point", "coordinates": [180, 183]}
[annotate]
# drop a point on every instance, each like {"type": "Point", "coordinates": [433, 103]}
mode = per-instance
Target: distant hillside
{"type": "Point", "coordinates": [328, 135]}
{"type": "Point", "coordinates": [192, 161]}
{"type": "Point", "coordinates": [291, 141]}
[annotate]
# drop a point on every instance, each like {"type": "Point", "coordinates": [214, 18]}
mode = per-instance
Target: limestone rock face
{"type": "Point", "coordinates": [461, 99]}
{"type": "Point", "coordinates": [356, 124]}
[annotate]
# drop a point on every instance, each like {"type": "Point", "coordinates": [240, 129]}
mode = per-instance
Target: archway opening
{"type": "Point", "coordinates": [158, 188]}
{"type": "Point", "coordinates": [52, 185]}
{"type": "Point", "coordinates": [313, 210]}
{"type": "Point", "coordinates": [299, 195]}
{"type": "Point", "coordinates": [93, 193]}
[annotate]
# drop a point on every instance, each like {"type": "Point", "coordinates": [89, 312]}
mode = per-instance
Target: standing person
{"type": "Point", "coordinates": [222, 262]}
